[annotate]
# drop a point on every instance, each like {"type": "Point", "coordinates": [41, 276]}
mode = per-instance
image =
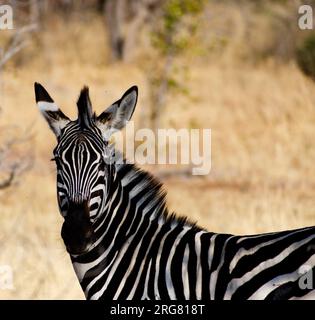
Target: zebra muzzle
{"type": "Point", "coordinates": [77, 231]}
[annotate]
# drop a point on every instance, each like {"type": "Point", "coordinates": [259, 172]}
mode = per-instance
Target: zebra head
{"type": "Point", "coordinates": [81, 157]}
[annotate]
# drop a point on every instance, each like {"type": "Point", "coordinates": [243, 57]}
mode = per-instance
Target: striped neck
{"type": "Point", "coordinates": [135, 203]}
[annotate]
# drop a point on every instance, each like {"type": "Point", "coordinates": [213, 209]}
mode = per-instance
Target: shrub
{"type": "Point", "coordinates": [306, 56]}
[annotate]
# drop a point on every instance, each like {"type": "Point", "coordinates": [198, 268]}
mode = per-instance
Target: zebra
{"type": "Point", "coordinates": [125, 244]}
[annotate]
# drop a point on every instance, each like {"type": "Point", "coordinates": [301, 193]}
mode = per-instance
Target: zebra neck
{"type": "Point", "coordinates": [133, 196]}
{"type": "Point", "coordinates": [135, 213]}
{"type": "Point", "coordinates": [135, 202]}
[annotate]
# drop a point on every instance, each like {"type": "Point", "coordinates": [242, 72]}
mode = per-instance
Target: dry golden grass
{"type": "Point", "coordinates": [263, 150]}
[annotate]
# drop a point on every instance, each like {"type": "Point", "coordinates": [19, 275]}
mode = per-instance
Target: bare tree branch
{"type": "Point", "coordinates": [124, 21]}
{"type": "Point", "coordinates": [16, 43]}
{"type": "Point", "coordinates": [7, 182]}
{"type": "Point", "coordinates": [13, 165]}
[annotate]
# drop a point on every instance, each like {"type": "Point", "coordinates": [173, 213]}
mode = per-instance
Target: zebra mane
{"type": "Point", "coordinates": [153, 190]}
{"type": "Point", "coordinates": [85, 114]}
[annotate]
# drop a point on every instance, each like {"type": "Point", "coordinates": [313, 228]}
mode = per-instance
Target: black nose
{"type": "Point", "coordinates": [77, 209]}
{"type": "Point", "coordinates": [77, 231]}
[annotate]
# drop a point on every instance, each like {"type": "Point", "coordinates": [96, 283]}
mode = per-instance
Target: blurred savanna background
{"type": "Point", "coordinates": [242, 68]}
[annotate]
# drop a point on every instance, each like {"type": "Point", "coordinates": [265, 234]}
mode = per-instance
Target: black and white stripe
{"type": "Point", "coordinates": [130, 247]}
{"type": "Point", "coordinates": [144, 253]}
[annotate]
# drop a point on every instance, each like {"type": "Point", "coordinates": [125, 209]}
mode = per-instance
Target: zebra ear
{"type": "Point", "coordinates": [119, 113]}
{"type": "Point", "coordinates": [56, 119]}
